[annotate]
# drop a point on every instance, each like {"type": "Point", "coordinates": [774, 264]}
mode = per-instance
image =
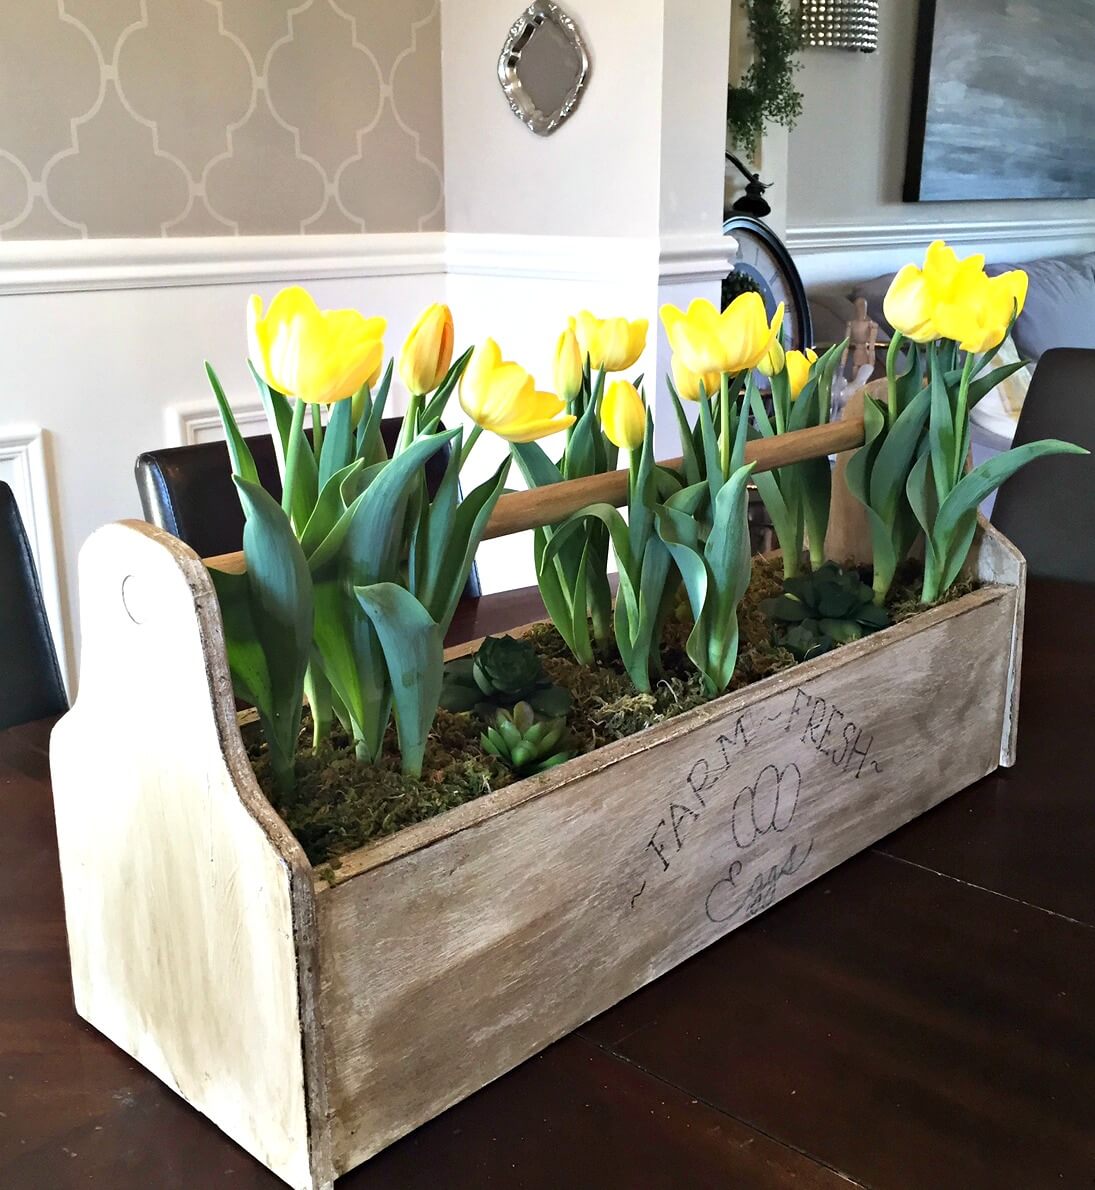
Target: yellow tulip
{"type": "Point", "coordinates": [977, 310]}
{"type": "Point", "coordinates": [951, 298]}
{"type": "Point", "coordinates": [623, 415]}
{"type": "Point", "coordinates": [427, 353]}
{"type": "Point", "coordinates": [733, 341]}
{"type": "Point", "coordinates": [611, 343]}
{"type": "Point", "coordinates": [799, 364]}
{"type": "Point", "coordinates": [317, 356]}
{"type": "Point", "coordinates": [908, 305]}
{"type": "Point", "coordinates": [569, 363]}
{"type": "Point", "coordinates": [502, 397]}
{"type": "Point", "coordinates": [687, 383]}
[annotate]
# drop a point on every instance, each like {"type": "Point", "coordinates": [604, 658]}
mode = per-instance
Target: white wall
{"type": "Point", "coordinates": [592, 176]}
{"type": "Point", "coordinates": [845, 215]}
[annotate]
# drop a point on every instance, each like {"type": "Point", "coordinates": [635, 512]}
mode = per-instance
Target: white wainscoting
{"type": "Point", "coordinates": [826, 255]}
{"type": "Point", "coordinates": [66, 266]}
{"type": "Point", "coordinates": [188, 425]}
{"type": "Point", "coordinates": [24, 467]}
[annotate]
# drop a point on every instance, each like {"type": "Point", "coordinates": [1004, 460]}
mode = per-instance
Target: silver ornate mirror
{"type": "Point", "coordinates": [543, 67]}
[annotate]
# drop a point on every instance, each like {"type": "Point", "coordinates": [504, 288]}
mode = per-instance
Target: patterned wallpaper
{"type": "Point", "coordinates": [219, 117]}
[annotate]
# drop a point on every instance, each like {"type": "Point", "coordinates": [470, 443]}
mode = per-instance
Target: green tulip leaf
{"type": "Point", "coordinates": [941, 434]}
{"type": "Point", "coordinates": [243, 463]}
{"type": "Point", "coordinates": [891, 464]}
{"type": "Point", "coordinates": [974, 487]}
{"type": "Point", "coordinates": [336, 451]}
{"type": "Point", "coordinates": [246, 660]}
{"type": "Point", "coordinates": [281, 608]}
{"type": "Point", "coordinates": [373, 545]}
{"type": "Point", "coordinates": [414, 654]}
{"type": "Point", "coordinates": [370, 441]}
{"type": "Point", "coordinates": [692, 471]}
{"type": "Point", "coordinates": [329, 508]}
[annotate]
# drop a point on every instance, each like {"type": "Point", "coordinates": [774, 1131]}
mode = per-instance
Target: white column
{"type": "Point", "coordinates": [617, 211]}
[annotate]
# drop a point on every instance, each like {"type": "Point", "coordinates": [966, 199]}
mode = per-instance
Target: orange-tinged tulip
{"type": "Point", "coordinates": [687, 383]}
{"type": "Point", "coordinates": [317, 356]}
{"type": "Point", "coordinates": [569, 362]}
{"type": "Point", "coordinates": [611, 343]}
{"type": "Point", "coordinates": [799, 364]}
{"type": "Point", "coordinates": [502, 397]}
{"type": "Point", "coordinates": [623, 415]}
{"type": "Point", "coordinates": [733, 341]}
{"type": "Point", "coordinates": [427, 353]}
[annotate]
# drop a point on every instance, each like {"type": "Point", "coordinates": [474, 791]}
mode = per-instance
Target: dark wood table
{"type": "Point", "coordinates": [922, 1017]}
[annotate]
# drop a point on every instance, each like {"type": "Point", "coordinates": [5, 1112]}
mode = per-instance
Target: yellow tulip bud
{"type": "Point", "coordinates": [569, 364]}
{"type": "Point", "coordinates": [732, 342]}
{"type": "Point", "coordinates": [317, 356]}
{"type": "Point", "coordinates": [427, 353]}
{"type": "Point", "coordinates": [688, 383]}
{"type": "Point", "coordinates": [611, 343]}
{"type": "Point", "coordinates": [773, 363]}
{"type": "Point", "coordinates": [502, 397]}
{"type": "Point", "coordinates": [623, 415]}
{"type": "Point", "coordinates": [799, 364]}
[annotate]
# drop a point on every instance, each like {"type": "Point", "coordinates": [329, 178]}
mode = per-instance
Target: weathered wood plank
{"type": "Point", "coordinates": [463, 945]}
{"type": "Point", "coordinates": [189, 905]}
{"type": "Point", "coordinates": [994, 559]}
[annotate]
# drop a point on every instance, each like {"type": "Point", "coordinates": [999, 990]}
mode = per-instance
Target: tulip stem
{"type": "Point", "coordinates": [724, 425]}
{"type": "Point", "coordinates": [891, 377]}
{"type": "Point", "coordinates": [292, 459]}
{"type": "Point", "coordinates": [410, 422]}
{"type": "Point", "coordinates": [961, 415]}
{"type": "Point", "coordinates": [473, 438]}
{"type": "Point", "coordinates": [317, 430]}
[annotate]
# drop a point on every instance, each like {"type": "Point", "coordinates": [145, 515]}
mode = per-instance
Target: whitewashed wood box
{"type": "Point", "coordinates": [316, 1023]}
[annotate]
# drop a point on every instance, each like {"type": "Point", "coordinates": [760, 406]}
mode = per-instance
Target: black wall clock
{"type": "Point", "coordinates": [765, 266]}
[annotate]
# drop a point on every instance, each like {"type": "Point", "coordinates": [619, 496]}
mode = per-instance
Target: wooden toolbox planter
{"type": "Point", "coordinates": [316, 1023]}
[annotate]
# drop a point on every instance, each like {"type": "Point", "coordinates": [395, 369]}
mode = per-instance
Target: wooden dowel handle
{"type": "Point", "coordinates": [518, 511]}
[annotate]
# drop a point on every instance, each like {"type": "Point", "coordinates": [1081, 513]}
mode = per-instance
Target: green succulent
{"type": "Point", "coordinates": [502, 673]}
{"type": "Point", "coordinates": [818, 611]}
{"type": "Point", "coordinates": [525, 743]}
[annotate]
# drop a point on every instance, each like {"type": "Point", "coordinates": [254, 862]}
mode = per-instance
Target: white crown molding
{"type": "Point", "coordinates": [588, 258]}
{"type": "Point", "coordinates": [61, 266]}
{"type": "Point", "coordinates": [854, 237]}
{"type": "Point", "coordinates": [547, 257]}
{"type": "Point", "coordinates": [65, 266]}
{"type": "Point", "coordinates": [23, 450]}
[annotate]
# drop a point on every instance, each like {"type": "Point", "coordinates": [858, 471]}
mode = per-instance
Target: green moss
{"type": "Point", "coordinates": [340, 803]}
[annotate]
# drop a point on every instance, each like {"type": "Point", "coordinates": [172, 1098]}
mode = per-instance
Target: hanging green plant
{"type": "Point", "coordinates": [767, 91]}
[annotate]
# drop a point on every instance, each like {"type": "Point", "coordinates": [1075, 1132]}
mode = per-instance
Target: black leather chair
{"type": "Point", "coordinates": [188, 491]}
{"type": "Point", "coordinates": [1048, 508]}
{"type": "Point", "coordinates": [30, 678]}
